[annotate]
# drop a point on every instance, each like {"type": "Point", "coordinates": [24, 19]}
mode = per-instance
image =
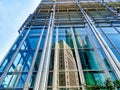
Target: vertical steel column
{"type": "Point", "coordinates": [82, 79]}
{"type": "Point", "coordinates": [39, 73]}
{"type": "Point", "coordinates": [42, 75]}
{"type": "Point", "coordinates": [44, 79]}
{"type": "Point", "coordinates": [26, 86]}
{"type": "Point", "coordinates": [99, 58]}
{"type": "Point", "coordinates": [56, 65]}
{"type": "Point", "coordinates": [20, 32]}
{"type": "Point", "coordinates": [112, 59]}
{"type": "Point", "coordinates": [16, 53]}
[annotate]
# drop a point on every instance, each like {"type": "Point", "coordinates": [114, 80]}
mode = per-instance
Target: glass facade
{"type": "Point", "coordinates": [64, 45]}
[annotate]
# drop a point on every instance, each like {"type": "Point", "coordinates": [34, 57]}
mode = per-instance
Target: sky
{"type": "Point", "coordinates": [13, 13]}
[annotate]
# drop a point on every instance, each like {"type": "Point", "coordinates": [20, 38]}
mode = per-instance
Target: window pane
{"type": "Point", "coordinates": [30, 43]}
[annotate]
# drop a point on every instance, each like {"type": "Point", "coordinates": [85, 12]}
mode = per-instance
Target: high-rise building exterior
{"type": "Point", "coordinates": [65, 45]}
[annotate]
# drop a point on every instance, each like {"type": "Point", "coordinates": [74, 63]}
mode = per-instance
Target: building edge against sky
{"type": "Point", "coordinates": [64, 45]}
{"type": "Point", "coordinates": [17, 14]}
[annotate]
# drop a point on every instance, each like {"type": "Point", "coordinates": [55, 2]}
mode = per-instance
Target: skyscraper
{"type": "Point", "coordinates": [64, 45]}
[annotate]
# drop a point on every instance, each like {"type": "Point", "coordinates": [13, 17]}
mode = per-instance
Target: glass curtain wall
{"type": "Point", "coordinates": [76, 56]}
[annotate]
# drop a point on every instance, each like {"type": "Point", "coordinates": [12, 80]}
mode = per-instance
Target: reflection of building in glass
{"type": "Point", "coordinates": [15, 78]}
{"type": "Point", "coordinates": [67, 63]}
{"type": "Point", "coordinates": [64, 45]}
{"type": "Point", "coordinates": [88, 57]}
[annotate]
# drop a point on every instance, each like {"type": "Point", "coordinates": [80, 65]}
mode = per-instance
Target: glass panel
{"type": "Point", "coordinates": [112, 75]}
{"type": "Point", "coordinates": [107, 41]}
{"type": "Point", "coordinates": [66, 39]}
{"type": "Point", "coordinates": [96, 43]}
{"type": "Point", "coordinates": [109, 30]}
{"type": "Point", "coordinates": [116, 54]}
{"type": "Point", "coordinates": [24, 32]}
{"type": "Point", "coordinates": [24, 58]}
{"type": "Point", "coordinates": [42, 41]}
{"type": "Point", "coordinates": [50, 79]}
{"type": "Point", "coordinates": [55, 29]}
{"type": "Point", "coordinates": [52, 60]}
{"type": "Point", "coordinates": [73, 88]}
{"type": "Point", "coordinates": [118, 28]}
{"type": "Point", "coordinates": [45, 31]}
{"type": "Point", "coordinates": [79, 30]}
{"type": "Point", "coordinates": [7, 60]}
{"type": "Point", "coordinates": [53, 41]}
{"type": "Point", "coordinates": [67, 59]}
{"type": "Point", "coordinates": [36, 66]}
{"type": "Point", "coordinates": [93, 78]}
{"type": "Point", "coordinates": [103, 57]}
{"type": "Point", "coordinates": [64, 30]}
{"type": "Point", "coordinates": [32, 80]}
{"type": "Point", "coordinates": [89, 59]}
{"type": "Point", "coordinates": [30, 43]}
{"type": "Point", "coordinates": [17, 43]}
{"type": "Point", "coordinates": [69, 78]}
{"type": "Point", "coordinates": [115, 38]}
{"type": "Point", "coordinates": [14, 80]}
{"type": "Point", "coordinates": [87, 54]}
{"type": "Point", "coordinates": [35, 31]}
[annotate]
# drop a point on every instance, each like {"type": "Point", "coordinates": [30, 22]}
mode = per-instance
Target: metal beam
{"type": "Point", "coordinates": [42, 75]}
{"type": "Point", "coordinates": [44, 79]}
{"type": "Point", "coordinates": [56, 65]}
{"type": "Point", "coordinates": [16, 53]}
{"type": "Point", "coordinates": [82, 79]}
{"type": "Point", "coordinates": [112, 59]}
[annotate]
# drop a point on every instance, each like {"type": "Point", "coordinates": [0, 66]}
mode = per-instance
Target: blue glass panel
{"type": "Point", "coordinates": [24, 58]}
{"type": "Point", "coordinates": [64, 30]}
{"type": "Point", "coordinates": [6, 60]}
{"type": "Point", "coordinates": [112, 75]}
{"type": "Point", "coordinates": [17, 43]}
{"type": "Point", "coordinates": [32, 80]}
{"type": "Point", "coordinates": [53, 39]}
{"type": "Point", "coordinates": [22, 80]}
{"type": "Point", "coordinates": [30, 43]}
{"type": "Point", "coordinates": [42, 42]}
{"type": "Point", "coordinates": [14, 80]}
{"type": "Point", "coordinates": [45, 31]}
{"type": "Point", "coordinates": [24, 32]}
{"type": "Point", "coordinates": [79, 30]}
{"type": "Point", "coordinates": [6, 81]}
{"type": "Point", "coordinates": [115, 38]}
{"type": "Point", "coordinates": [109, 30]}
{"type": "Point", "coordinates": [36, 66]}
{"type": "Point", "coordinates": [107, 41]}
{"type": "Point", "coordinates": [99, 30]}
{"type": "Point", "coordinates": [67, 39]}
{"type": "Point", "coordinates": [95, 41]}
{"type": "Point", "coordinates": [103, 57]}
{"type": "Point", "coordinates": [54, 31]}
{"type": "Point", "coordinates": [88, 55]}
{"type": "Point", "coordinates": [116, 54]}
{"type": "Point", "coordinates": [35, 31]}
{"type": "Point", "coordinates": [118, 28]}
{"type": "Point", "coordinates": [93, 78]}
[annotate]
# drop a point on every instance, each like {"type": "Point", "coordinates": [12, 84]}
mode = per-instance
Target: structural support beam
{"type": "Point", "coordinates": [16, 53]}
{"type": "Point", "coordinates": [56, 65]}
{"type": "Point", "coordinates": [26, 86]}
{"type": "Point", "coordinates": [81, 74]}
{"type": "Point", "coordinates": [112, 59]}
{"type": "Point", "coordinates": [42, 75]}
{"type": "Point", "coordinates": [99, 58]}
